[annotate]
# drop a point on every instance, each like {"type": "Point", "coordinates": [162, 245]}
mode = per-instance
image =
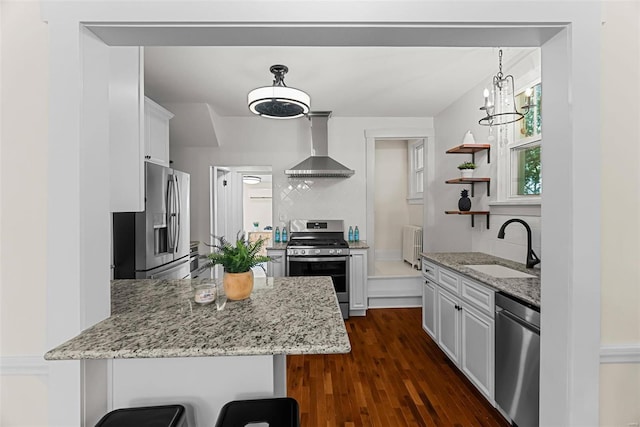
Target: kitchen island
{"type": "Point", "coordinates": [164, 348]}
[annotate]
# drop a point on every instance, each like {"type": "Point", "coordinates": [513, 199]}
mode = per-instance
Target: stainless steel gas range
{"type": "Point", "coordinates": [317, 248]}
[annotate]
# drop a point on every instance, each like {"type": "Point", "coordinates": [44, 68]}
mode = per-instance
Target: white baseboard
{"type": "Point", "coordinates": [622, 353]}
{"type": "Point", "coordinates": [23, 365]}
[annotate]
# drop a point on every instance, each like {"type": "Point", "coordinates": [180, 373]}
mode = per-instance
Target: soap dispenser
{"type": "Point", "coordinates": [350, 234]}
{"type": "Point", "coordinates": [284, 234]}
{"type": "Point", "coordinates": [277, 235]}
{"type": "Point", "coordinates": [356, 234]}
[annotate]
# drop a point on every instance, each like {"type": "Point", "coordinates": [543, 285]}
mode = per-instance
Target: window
{"type": "Point", "coordinates": [520, 152]}
{"type": "Point", "coordinates": [416, 171]}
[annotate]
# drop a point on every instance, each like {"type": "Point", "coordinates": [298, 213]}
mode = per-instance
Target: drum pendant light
{"type": "Point", "coordinates": [278, 101]}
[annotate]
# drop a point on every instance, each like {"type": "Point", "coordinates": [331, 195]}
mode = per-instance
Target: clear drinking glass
{"type": "Point", "coordinates": [221, 297]}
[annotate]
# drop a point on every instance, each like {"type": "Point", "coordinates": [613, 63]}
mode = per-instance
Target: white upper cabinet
{"type": "Point", "coordinates": [156, 133]}
{"type": "Point", "coordinates": [138, 129]}
{"type": "Point", "coordinates": [126, 114]}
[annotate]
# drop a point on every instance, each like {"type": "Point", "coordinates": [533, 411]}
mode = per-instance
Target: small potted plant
{"type": "Point", "coordinates": [237, 259]}
{"type": "Point", "coordinates": [466, 169]}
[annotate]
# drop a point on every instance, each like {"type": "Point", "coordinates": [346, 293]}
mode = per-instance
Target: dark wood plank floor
{"type": "Point", "coordinates": [395, 375]}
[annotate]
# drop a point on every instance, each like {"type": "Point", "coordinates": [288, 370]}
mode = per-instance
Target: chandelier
{"type": "Point", "coordinates": [278, 101]}
{"type": "Point", "coordinates": [500, 103]}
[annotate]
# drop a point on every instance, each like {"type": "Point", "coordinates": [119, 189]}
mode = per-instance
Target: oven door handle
{"type": "Point", "coordinates": [309, 259]}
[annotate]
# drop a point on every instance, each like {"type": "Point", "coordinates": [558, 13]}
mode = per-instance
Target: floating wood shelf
{"type": "Point", "coordinates": [471, 213]}
{"type": "Point", "coordinates": [471, 181]}
{"type": "Point", "coordinates": [471, 149]}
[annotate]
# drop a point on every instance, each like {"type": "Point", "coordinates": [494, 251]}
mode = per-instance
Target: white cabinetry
{"type": "Point", "coordinates": [138, 129]}
{"type": "Point", "coordinates": [429, 312]}
{"type": "Point", "coordinates": [459, 314]}
{"type": "Point", "coordinates": [276, 268]}
{"type": "Point", "coordinates": [156, 133]}
{"type": "Point", "coordinates": [126, 114]}
{"type": "Point", "coordinates": [358, 282]}
{"type": "Point", "coordinates": [477, 352]}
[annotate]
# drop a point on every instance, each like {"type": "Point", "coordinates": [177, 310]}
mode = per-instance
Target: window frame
{"type": "Point", "coordinates": [416, 171]}
{"type": "Point", "coordinates": [507, 169]}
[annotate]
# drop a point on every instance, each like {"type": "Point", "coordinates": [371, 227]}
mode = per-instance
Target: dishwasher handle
{"type": "Point", "coordinates": [502, 312]}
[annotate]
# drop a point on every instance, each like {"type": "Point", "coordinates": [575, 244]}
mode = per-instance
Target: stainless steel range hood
{"type": "Point", "coordinates": [319, 165]}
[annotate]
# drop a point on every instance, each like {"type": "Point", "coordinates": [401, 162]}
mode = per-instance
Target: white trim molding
{"type": "Point", "coordinates": [23, 365]}
{"type": "Point", "coordinates": [620, 353]}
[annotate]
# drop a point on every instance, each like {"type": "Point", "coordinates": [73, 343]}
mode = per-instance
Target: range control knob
{"type": "Point", "coordinates": [318, 251]}
{"type": "Point", "coordinates": [338, 251]}
{"type": "Point", "coordinates": [302, 252]}
{"type": "Point", "coordinates": [331, 251]}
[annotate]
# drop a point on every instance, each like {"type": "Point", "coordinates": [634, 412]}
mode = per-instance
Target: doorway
{"type": "Point", "coordinates": [567, 43]}
{"type": "Point", "coordinates": [398, 212]}
{"type": "Point", "coordinates": [241, 204]}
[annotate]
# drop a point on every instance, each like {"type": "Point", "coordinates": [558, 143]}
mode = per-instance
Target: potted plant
{"type": "Point", "coordinates": [466, 169]}
{"type": "Point", "coordinates": [237, 259]}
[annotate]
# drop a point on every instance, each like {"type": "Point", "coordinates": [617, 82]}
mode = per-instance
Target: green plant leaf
{"type": "Point", "coordinates": [239, 257]}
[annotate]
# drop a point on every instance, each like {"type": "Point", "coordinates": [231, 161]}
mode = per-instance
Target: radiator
{"type": "Point", "coordinates": [412, 245]}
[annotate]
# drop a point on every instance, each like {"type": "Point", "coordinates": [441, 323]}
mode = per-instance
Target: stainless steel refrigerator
{"type": "Point", "coordinates": [154, 244]}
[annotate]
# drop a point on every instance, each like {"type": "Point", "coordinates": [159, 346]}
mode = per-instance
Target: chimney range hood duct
{"type": "Point", "coordinates": [319, 165]}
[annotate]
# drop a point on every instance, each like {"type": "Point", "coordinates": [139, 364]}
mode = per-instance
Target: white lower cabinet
{"type": "Point", "coordinates": [462, 324]}
{"type": "Point", "coordinates": [429, 312]}
{"type": "Point", "coordinates": [358, 282]}
{"type": "Point", "coordinates": [448, 337]}
{"type": "Point", "coordinates": [477, 352]}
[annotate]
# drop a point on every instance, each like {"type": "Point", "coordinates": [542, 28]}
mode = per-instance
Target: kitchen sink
{"type": "Point", "coordinates": [500, 271]}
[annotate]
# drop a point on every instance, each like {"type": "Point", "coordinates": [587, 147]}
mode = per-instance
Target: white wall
{"type": "Point", "coordinates": [24, 81]}
{"type": "Point", "coordinates": [256, 205]}
{"type": "Point", "coordinates": [453, 232]}
{"type": "Point", "coordinates": [392, 210]}
{"type": "Point", "coordinates": [620, 382]}
{"type": "Point", "coordinates": [282, 144]}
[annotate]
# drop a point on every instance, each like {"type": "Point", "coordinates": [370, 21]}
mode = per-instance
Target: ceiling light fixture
{"type": "Point", "coordinates": [278, 101]}
{"type": "Point", "coordinates": [500, 102]}
{"type": "Point", "coordinates": [251, 179]}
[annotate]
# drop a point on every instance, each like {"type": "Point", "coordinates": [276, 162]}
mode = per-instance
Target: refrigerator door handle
{"type": "Point", "coordinates": [171, 214]}
{"type": "Point", "coordinates": [176, 188]}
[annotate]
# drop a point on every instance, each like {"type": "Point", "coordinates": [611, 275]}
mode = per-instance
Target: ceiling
{"type": "Point", "coordinates": [349, 81]}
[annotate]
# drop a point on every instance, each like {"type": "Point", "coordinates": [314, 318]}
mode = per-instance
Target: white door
{"type": "Point", "coordinates": [218, 207]}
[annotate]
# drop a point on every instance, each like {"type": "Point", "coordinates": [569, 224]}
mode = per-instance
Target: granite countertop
{"type": "Point", "coordinates": [278, 246]}
{"type": "Point", "coordinates": [360, 244]}
{"type": "Point", "coordinates": [527, 289]}
{"type": "Point", "coordinates": [158, 318]}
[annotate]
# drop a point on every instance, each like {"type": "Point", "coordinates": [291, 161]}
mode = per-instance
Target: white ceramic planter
{"type": "Point", "coordinates": [466, 173]}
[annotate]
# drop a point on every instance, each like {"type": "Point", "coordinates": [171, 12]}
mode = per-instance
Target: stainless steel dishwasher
{"type": "Point", "coordinates": [518, 360]}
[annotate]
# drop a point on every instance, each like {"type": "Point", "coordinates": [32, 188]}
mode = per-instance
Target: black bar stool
{"type": "Point", "coordinates": [148, 416]}
{"type": "Point", "coordinates": [276, 412]}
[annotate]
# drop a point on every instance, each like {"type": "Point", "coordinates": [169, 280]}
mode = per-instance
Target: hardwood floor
{"type": "Point", "coordinates": [395, 375]}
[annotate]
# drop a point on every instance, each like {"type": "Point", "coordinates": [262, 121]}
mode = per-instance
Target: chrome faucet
{"type": "Point", "coordinates": [532, 258]}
